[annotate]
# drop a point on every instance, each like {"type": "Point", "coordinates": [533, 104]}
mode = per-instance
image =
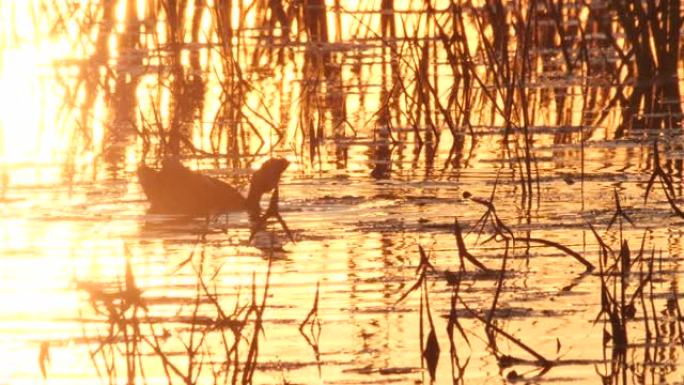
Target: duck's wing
{"type": "Point", "coordinates": [191, 192]}
{"type": "Point", "coordinates": [222, 197]}
{"type": "Point", "coordinates": [182, 190]}
{"type": "Point", "coordinates": [175, 189]}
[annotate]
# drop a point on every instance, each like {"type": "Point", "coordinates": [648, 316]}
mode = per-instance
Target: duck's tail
{"type": "Point", "coordinates": [149, 180]}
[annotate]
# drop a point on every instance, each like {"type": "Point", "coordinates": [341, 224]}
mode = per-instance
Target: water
{"type": "Point", "coordinates": [78, 242]}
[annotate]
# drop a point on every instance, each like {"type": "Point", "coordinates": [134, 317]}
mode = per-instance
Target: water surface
{"type": "Point", "coordinates": [82, 107]}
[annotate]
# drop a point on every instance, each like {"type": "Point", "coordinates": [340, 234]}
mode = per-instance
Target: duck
{"type": "Point", "coordinates": [175, 189]}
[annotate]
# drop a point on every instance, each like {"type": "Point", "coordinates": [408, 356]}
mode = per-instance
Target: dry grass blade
{"type": "Point", "coordinates": [431, 351]}
{"type": "Point", "coordinates": [665, 181]}
{"type": "Point", "coordinates": [541, 360]}
{"type": "Point", "coordinates": [564, 249]}
{"type": "Point", "coordinates": [619, 212]}
{"type": "Point", "coordinates": [431, 354]}
{"type": "Point", "coordinates": [457, 369]}
{"type": "Point", "coordinates": [44, 358]}
{"type": "Point", "coordinates": [314, 325]}
{"type": "Point", "coordinates": [655, 173]}
{"type": "Point", "coordinates": [423, 266]}
{"type": "Point", "coordinates": [413, 287]}
{"type": "Point", "coordinates": [463, 253]}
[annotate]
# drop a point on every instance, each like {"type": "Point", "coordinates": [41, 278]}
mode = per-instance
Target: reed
{"type": "Point", "coordinates": [135, 332]}
{"type": "Point", "coordinates": [494, 53]}
{"type": "Point", "coordinates": [652, 45]}
{"type": "Point", "coordinates": [429, 347]}
{"type": "Point", "coordinates": [465, 70]}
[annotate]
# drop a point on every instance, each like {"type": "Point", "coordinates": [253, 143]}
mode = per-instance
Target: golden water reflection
{"type": "Point", "coordinates": [376, 172]}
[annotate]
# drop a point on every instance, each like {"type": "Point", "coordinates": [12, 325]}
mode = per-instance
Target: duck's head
{"type": "Point", "coordinates": [265, 179]}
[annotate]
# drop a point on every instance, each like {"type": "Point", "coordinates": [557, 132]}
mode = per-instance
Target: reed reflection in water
{"type": "Point", "coordinates": [477, 191]}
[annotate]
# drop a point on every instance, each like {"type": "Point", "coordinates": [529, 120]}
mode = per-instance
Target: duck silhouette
{"type": "Point", "coordinates": [175, 189]}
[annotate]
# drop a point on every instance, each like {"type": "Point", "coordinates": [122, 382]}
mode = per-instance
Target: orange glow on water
{"type": "Point", "coordinates": [78, 115]}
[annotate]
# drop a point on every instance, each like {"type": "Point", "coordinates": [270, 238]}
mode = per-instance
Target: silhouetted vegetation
{"type": "Point", "coordinates": [223, 85]}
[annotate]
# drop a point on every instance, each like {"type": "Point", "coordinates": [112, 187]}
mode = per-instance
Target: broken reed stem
{"type": "Point", "coordinates": [541, 360]}
{"type": "Point", "coordinates": [463, 253]}
{"type": "Point", "coordinates": [126, 339]}
{"type": "Point", "coordinates": [490, 316]}
{"type": "Point", "coordinates": [665, 181]}
{"type": "Point", "coordinates": [505, 232]}
{"type": "Point", "coordinates": [457, 370]}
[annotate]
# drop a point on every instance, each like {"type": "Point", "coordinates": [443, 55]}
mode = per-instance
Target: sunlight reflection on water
{"type": "Point", "coordinates": [74, 216]}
